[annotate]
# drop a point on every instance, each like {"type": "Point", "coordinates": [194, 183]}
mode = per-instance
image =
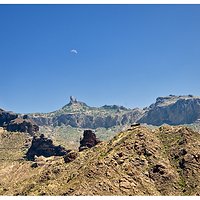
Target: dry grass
{"type": "Point", "coordinates": [139, 161]}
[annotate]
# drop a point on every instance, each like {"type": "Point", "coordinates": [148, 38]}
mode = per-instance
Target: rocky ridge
{"type": "Point", "coordinates": [6, 117]}
{"type": "Point", "coordinates": [79, 114]}
{"type": "Point", "coordinates": [172, 110]}
{"type": "Point", "coordinates": [13, 122]}
{"type": "Point", "coordinates": [138, 161]}
{"type": "Point", "coordinates": [66, 125]}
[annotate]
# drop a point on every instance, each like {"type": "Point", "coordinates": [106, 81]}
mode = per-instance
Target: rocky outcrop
{"type": "Point", "coordinates": [89, 140]}
{"type": "Point", "coordinates": [12, 122]}
{"type": "Point", "coordinates": [6, 117]}
{"type": "Point", "coordinates": [23, 125]}
{"type": "Point", "coordinates": [44, 147]}
{"type": "Point", "coordinates": [173, 110]}
{"type": "Point", "coordinates": [141, 161]}
{"type": "Point", "coordinates": [73, 100]}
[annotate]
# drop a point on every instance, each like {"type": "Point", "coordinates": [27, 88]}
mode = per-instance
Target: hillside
{"type": "Point", "coordinates": [138, 161]}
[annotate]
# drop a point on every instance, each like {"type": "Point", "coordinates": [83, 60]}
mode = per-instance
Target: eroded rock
{"type": "Point", "coordinates": [6, 117]}
{"type": "Point", "coordinates": [23, 125]}
{"type": "Point", "coordinates": [72, 155]}
{"type": "Point", "coordinates": [44, 147]}
{"type": "Point", "coordinates": [89, 140]}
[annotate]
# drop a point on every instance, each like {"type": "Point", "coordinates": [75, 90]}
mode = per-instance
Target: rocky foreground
{"type": "Point", "coordinates": [138, 161]}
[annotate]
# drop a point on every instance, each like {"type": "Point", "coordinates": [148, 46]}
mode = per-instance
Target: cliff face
{"type": "Point", "coordinates": [79, 114]}
{"type": "Point", "coordinates": [12, 122]}
{"type": "Point", "coordinates": [173, 110]}
{"type": "Point", "coordinates": [138, 161]}
{"type": "Point", "coordinates": [6, 117]}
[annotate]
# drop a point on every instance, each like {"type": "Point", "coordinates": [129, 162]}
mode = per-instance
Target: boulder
{"type": "Point", "coordinates": [72, 155]}
{"type": "Point", "coordinates": [89, 140]}
{"type": "Point", "coordinates": [42, 146]}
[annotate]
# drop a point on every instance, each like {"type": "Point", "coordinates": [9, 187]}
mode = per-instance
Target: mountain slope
{"type": "Point", "coordinates": [173, 110]}
{"type": "Point", "coordinates": [78, 114]}
{"type": "Point", "coordinates": [66, 125]}
{"type": "Point", "coordinates": [138, 161]}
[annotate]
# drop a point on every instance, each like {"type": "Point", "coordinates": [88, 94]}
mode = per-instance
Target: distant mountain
{"type": "Point", "coordinates": [172, 110]}
{"type": "Point", "coordinates": [138, 160]}
{"type": "Point", "coordinates": [79, 114]}
{"type": "Point", "coordinates": [109, 119]}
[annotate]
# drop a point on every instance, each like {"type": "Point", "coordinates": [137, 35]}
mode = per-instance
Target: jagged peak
{"type": "Point", "coordinates": [74, 102]}
{"type": "Point", "coordinates": [73, 99]}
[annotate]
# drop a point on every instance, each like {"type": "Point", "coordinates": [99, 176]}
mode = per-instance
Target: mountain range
{"type": "Point", "coordinates": [65, 126]}
{"type": "Point", "coordinates": [172, 110]}
{"type": "Point", "coordinates": [108, 150]}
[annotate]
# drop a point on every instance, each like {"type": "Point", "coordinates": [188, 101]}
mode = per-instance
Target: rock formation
{"type": "Point", "coordinates": [89, 140]}
{"type": "Point", "coordinates": [73, 99]}
{"type": "Point", "coordinates": [79, 114]}
{"type": "Point", "coordinates": [6, 117]}
{"type": "Point", "coordinates": [23, 125]}
{"type": "Point", "coordinates": [44, 147]}
{"type": "Point", "coordinates": [12, 122]}
{"type": "Point", "coordinates": [173, 110]}
{"type": "Point", "coordinates": [142, 161]}
{"type": "Point", "coordinates": [69, 157]}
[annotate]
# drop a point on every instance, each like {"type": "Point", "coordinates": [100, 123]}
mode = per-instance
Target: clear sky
{"type": "Point", "coordinates": [102, 54]}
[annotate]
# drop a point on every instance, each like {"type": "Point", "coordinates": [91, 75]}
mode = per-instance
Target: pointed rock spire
{"type": "Point", "coordinates": [73, 99]}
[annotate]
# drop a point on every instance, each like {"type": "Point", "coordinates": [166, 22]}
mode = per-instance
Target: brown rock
{"type": "Point", "coordinates": [23, 125]}
{"type": "Point", "coordinates": [124, 184]}
{"type": "Point", "coordinates": [89, 140]}
{"type": "Point", "coordinates": [6, 117]}
{"type": "Point", "coordinates": [72, 155]}
{"type": "Point", "coordinates": [44, 147]}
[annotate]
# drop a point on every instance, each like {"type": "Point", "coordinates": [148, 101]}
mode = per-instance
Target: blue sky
{"type": "Point", "coordinates": [127, 54]}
